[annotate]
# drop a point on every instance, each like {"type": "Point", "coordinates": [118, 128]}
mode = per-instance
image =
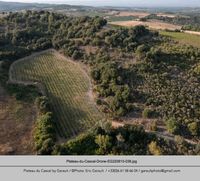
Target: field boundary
{"type": "Point", "coordinates": [40, 85]}
{"type": "Point", "coordinates": [88, 96]}
{"type": "Point", "coordinates": [37, 84]}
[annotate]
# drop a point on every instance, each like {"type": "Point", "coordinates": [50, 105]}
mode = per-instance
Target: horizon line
{"type": "Point", "coordinates": [111, 6]}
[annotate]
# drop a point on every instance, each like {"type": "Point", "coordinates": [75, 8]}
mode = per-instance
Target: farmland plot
{"type": "Point", "coordinates": [67, 87]}
{"type": "Point", "coordinates": [154, 24]}
{"type": "Point", "coordinates": [184, 38]}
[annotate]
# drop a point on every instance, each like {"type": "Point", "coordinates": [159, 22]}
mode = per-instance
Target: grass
{"type": "Point", "coordinates": [67, 87]}
{"type": "Point", "coordinates": [184, 38]}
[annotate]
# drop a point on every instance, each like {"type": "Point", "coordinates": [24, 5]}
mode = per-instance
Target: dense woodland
{"type": "Point", "coordinates": [188, 22]}
{"type": "Point", "coordinates": [133, 70]}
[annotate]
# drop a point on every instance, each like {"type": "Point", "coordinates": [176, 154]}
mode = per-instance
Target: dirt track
{"type": "Point", "coordinates": [192, 32]}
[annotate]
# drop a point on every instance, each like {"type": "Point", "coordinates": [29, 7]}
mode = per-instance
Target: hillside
{"type": "Point", "coordinates": [140, 79]}
{"type": "Point", "coordinates": [16, 6]}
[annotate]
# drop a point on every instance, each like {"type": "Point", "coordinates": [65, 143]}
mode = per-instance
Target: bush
{"type": "Point", "coordinates": [98, 102]}
{"type": "Point", "coordinates": [172, 126]}
{"type": "Point", "coordinates": [193, 128]}
{"type": "Point", "coordinates": [42, 104]}
{"type": "Point", "coordinates": [154, 126]}
{"type": "Point", "coordinates": [22, 92]}
{"type": "Point", "coordinates": [45, 134]}
{"type": "Point", "coordinates": [83, 144]}
{"type": "Point", "coordinates": [121, 111]}
{"type": "Point", "coordinates": [147, 113]}
{"type": "Point", "coordinates": [154, 149]}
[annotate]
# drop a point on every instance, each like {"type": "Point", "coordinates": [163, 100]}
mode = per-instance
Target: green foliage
{"type": "Point", "coordinates": [172, 126]}
{"type": "Point", "coordinates": [165, 76]}
{"type": "Point", "coordinates": [147, 113]}
{"type": "Point", "coordinates": [154, 125]}
{"type": "Point", "coordinates": [4, 68]}
{"type": "Point", "coordinates": [66, 87]}
{"type": "Point", "coordinates": [23, 93]}
{"type": "Point", "coordinates": [154, 149]}
{"type": "Point", "coordinates": [42, 104]}
{"type": "Point", "coordinates": [127, 140]}
{"type": "Point", "coordinates": [183, 38]}
{"type": "Point", "coordinates": [194, 128]}
{"type": "Point", "coordinates": [45, 134]}
{"type": "Point", "coordinates": [104, 144]}
{"type": "Point", "coordinates": [81, 145]}
{"type": "Point", "coordinates": [190, 22]}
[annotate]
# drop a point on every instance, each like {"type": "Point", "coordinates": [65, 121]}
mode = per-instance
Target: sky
{"type": "Point", "coordinates": [127, 3]}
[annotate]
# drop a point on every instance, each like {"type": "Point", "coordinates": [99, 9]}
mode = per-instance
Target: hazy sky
{"type": "Point", "coordinates": [167, 3]}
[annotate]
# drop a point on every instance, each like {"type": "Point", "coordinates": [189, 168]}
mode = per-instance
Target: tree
{"type": "Point", "coordinates": [172, 126]}
{"type": "Point", "coordinates": [103, 141]}
{"type": "Point", "coordinates": [50, 21]}
{"type": "Point", "coordinates": [154, 149]}
{"type": "Point", "coordinates": [154, 125]}
{"type": "Point", "coordinates": [194, 128]}
{"type": "Point", "coordinates": [147, 113]}
{"type": "Point", "coordinates": [14, 40]}
{"type": "Point", "coordinates": [141, 51]}
{"type": "Point", "coordinates": [76, 54]}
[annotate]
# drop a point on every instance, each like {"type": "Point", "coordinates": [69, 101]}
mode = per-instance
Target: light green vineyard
{"type": "Point", "coordinates": [67, 87]}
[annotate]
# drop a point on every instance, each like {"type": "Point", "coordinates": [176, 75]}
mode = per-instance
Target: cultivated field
{"type": "Point", "coordinates": [151, 24]}
{"type": "Point", "coordinates": [67, 86]}
{"type": "Point", "coordinates": [131, 13]}
{"type": "Point", "coordinates": [167, 15]}
{"type": "Point", "coordinates": [184, 38]}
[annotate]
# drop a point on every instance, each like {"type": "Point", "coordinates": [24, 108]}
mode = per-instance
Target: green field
{"type": "Point", "coordinates": [184, 38]}
{"type": "Point", "coordinates": [67, 87]}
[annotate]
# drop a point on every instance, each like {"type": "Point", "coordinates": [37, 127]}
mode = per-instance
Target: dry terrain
{"type": "Point", "coordinates": [192, 32]}
{"type": "Point", "coordinates": [166, 15]}
{"type": "Point", "coordinates": [16, 125]}
{"type": "Point", "coordinates": [151, 24]}
{"type": "Point", "coordinates": [131, 13]}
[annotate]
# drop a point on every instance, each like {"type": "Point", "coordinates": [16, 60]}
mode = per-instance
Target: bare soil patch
{"type": "Point", "coordinates": [131, 13]}
{"type": "Point", "coordinates": [16, 126]}
{"type": "Point", "coordinates": [192, 32]}
{"type": "Point", "coordinates": [166, 15]}
{"type": "Point", "coordinates": [151, 24]}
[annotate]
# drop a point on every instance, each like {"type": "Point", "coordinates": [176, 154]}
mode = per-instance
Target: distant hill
{"type": "Point", "coordinates": [16, 6]}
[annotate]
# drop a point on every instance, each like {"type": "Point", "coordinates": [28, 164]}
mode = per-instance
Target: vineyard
{"type": "Point", "coordinates": [67, 87]}
{"type": "Point", "coordinates": [184, 38]}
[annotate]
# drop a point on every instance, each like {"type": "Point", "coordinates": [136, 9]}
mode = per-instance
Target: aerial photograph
{"type": "Point", "coordinates": [99, 77]}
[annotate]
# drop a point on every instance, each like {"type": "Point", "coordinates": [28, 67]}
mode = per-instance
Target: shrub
{"type": "Point", "coordinates": [42, 104]}
{"type": "Point", "coordinates": [147, 113]}
{"type": "Point", "coordinates": [193, 128]}
{"type": "Point", "coordinates": [172, 126]}
{"type": "Point", "coordinates": [45, 135]}
{"type": "Point", "coordinates": [121, 111]}
{"type": "Point", "coordinates": [154, 125]}
{"type": "Point", "coordinates": [154, 148]}
{"type": "Point", "coordinates": [98, 102]}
